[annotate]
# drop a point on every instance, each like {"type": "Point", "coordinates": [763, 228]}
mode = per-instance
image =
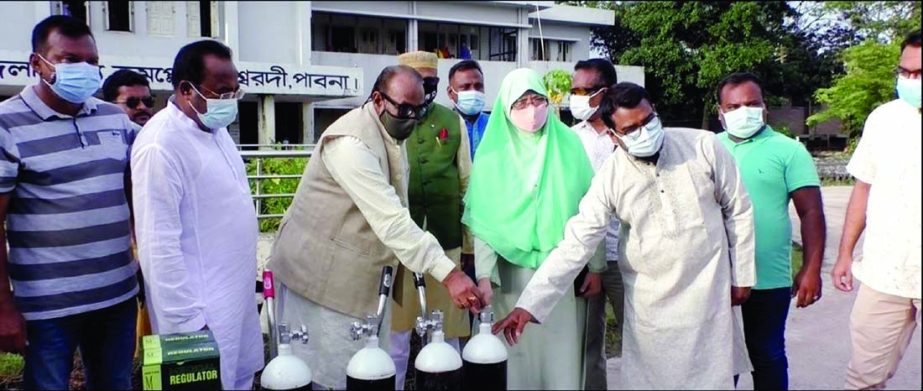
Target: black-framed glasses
{"type": "Point", "coordinates": [407, 110]}
{"type": "Point", "coordinates": [134, 101]}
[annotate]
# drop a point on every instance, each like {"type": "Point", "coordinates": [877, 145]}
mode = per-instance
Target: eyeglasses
{"type": "Point", "coordinates": [632, 133]}
{"type": "Point", "coordinates": [585, 91]}
{"type": "Point", "coordinates": [134, 101]}
{"type": "Point", "coordinates": [530, 100]}
{"type": "Point", "coordinates": [238, 94]}
{"type": "Point", "coordinates": [907, 74]}
{"type": "Point", "coordinates": [407, 110]}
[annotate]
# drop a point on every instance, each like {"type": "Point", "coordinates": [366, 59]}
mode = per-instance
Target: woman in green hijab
{"type": "Point", "coordinates": [527, 181]}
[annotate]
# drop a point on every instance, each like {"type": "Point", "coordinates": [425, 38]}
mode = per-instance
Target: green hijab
{"type": "Point", "coordinates": [524, 187]}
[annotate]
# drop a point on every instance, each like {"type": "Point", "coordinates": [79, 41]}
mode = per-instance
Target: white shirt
{"type": "Point", "coordinates": [688, 237]}
{"type": "Point", "coordinates": [888, 158]}
{"type": "Point", "coordinates": [197, 230]}
{"type": "Point", "coordinates": [599, 146]}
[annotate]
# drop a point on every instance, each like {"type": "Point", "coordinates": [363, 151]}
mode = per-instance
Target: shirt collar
{"type": "Point", "coordinates": [32, 100]}
{"type": "Point", "coordinates": [178, 115]}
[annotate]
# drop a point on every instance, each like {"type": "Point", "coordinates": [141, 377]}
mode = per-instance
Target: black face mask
{"type": "Point", "coordinates": [399, 128]}
{"type": "Point", "coordinates": [430, 85]}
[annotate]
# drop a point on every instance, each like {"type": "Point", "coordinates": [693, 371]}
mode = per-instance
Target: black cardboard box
{"type": "Point", "coordinates": [184, 361]}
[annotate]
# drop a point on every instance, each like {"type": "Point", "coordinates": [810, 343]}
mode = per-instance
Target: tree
{"type": "Point", "coordinates": [868, 82]}
{"type": "Point", "coordinates": [687, 47]}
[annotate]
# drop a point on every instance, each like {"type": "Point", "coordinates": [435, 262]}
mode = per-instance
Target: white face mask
{"type": "Point", "coordinates": [646, 141]}
{"type": "Point", "coordinates": [744, 122]}
{"type": "Point", "coordinates": [580, 106]}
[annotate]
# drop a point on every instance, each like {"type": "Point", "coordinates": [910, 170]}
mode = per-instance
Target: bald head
{"type": "Point", "coordinates": [399, 82]}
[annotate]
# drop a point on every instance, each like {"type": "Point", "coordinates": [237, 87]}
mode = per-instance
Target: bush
{"type": "Point", "coordinates": [275, 166]}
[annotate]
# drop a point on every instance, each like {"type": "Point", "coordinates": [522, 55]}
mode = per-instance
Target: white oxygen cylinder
{"type": "Point", "coordinates": [484, 358]}
{"type": "Point", "coordinates": [438, 365]}
{"type": "Point", "coordinates": [371, 368]}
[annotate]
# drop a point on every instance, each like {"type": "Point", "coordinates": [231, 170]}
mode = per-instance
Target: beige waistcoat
{"type": "Point", "coordinates": [325, 249]}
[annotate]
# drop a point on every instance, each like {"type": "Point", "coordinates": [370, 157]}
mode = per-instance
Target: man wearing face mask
{"type": "Point", "coordinates": [588, 86]}
{"type": "Point", "coordinates": [466, 90]}
{"type": "Point", "coordinates": [64, 198]}
{"type": "Point", "coordinates": [348, 219]}
{"type": "Point", "coordinates": [885, 203]}
{"type": "Point", "coordinates": [775, 169]}
{"type": "Point", "coordinates": [687, 255]}
{"type": "Point", "coordinates": [195, 223]}
{"type": "Point", "coordinates": [440, 164]}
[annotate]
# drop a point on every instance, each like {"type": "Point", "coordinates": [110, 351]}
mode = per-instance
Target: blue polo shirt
{"type": "Point", "coordinates": [772, 166]}
{"type": "Point", "coordinates": [68, 219]}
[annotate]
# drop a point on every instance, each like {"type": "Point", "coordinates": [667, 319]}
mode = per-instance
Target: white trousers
{"type": "Point", "coordinates": [399, 349]}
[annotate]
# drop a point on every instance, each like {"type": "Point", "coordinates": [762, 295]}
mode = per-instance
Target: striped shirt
{"type": "Point", "coordinates": [68, 219]}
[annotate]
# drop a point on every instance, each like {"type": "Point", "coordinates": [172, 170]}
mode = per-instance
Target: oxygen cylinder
{"type": "Point", "coordinates": [484, 358]}
{"type": "Point", "coordinates": [371, 368]}
{"type": "Point", "coordinates": [287, 371]}
{"type": "Point", "coordinates": [438, 365]}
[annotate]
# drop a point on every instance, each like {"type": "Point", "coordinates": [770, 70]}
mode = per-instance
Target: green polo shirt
{"type": "Point", "coordinates": [772, 166]}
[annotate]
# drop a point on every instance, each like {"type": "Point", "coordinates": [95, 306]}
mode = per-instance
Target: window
{"type": "Point", "coordinates": [202, 18]}
{"type": "Point", "coordinates": [554, 50]}
{"type": "Point", "coordinates": [345, 33]}
{"type": "Point", "coordinates": [465, 41]}
{"type": "Point", "coordinates": [77, 9]}
{"type": "Point", "coordinates": [118, 15]}
{"type": "Point", "coordinates": [160, 18]}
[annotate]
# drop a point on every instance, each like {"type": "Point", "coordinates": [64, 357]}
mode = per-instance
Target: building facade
{"type": "Point", "coordinates": [303, 64]}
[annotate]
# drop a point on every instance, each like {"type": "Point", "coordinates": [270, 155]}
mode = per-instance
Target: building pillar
{"type": "Point", "coordinates": [303, 12]}
{"type": "Point", "coordinates": [307, 121]}
{"type": "Point", "coordinates": [413, 30]}
{"type": "Point", "coordinates": [266, 114]}
{"type": "Point", "coordinates": [522, 40]}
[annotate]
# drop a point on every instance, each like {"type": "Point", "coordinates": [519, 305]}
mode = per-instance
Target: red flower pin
{"type": "Point", "coordinates": [443, 134]}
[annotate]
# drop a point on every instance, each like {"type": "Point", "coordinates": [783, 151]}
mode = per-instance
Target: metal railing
{"type": "Point", "coordinates": [259, 156]}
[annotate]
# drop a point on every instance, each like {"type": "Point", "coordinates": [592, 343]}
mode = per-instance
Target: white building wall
{"type": "Point", "coordinates": [18, 19]}
{"type": "Point", "coordinates": [269, 31]}
{"type": "Point", "coordinates": [579, 35]}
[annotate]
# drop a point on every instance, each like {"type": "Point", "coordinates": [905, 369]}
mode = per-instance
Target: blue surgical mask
{"type": "Point", "coordinates": [219, 112]}
{"type": "Point", "coordinates": [644, 142]}
{"type": "Point", "coordinates": [909, 90]}
{"type": "Point", "coordinates": [74, 82]}
{"type": "Point", "coordinates": [743, 122]}
{"type": "Point", "coordinates": [470, 102]}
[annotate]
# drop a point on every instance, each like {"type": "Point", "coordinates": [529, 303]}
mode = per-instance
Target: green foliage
{"type": "Point", "coordinates": [11, 366]}
{"type": "Point", "coordinates": [687, 47]}
{"type": "Point", "coordinates": [868, 82]}
{"type": "Point", "coordinates": [882, 21]}
{"type": "Point", "coordinates": [275, 166]}
{"type": "Point", "coordinates": [785, 130]}
{"type": "Point", "coordinates": [557, 82]}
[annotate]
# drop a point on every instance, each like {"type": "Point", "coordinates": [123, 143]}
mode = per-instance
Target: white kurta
{"type": "Point", "coordinates": [196, 229]}
{"type": "Point", "coordinates": [687, 236]}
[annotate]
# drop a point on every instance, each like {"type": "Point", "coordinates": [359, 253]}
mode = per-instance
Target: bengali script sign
{"type": "Point", "coordinates": [253, 77]}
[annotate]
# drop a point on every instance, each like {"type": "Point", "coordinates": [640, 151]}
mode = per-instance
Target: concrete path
{"type": "Point", "coordinates": [817, 337]}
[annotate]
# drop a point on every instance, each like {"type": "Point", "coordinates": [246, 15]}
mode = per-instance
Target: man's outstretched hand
{"type": "Point", "coordinates": [463, 291]}
{"type": "Point", "coordinates": [513, 325]}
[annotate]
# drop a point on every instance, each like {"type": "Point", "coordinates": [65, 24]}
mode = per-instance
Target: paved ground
{"type": "Point", "coordinates": [817, 337]}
